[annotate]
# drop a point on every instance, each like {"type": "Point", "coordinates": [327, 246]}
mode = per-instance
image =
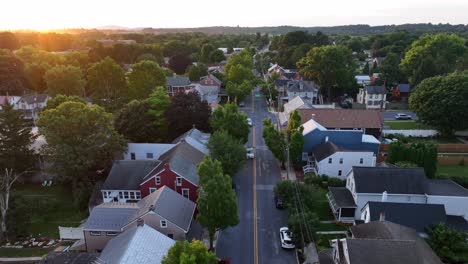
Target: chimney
{"type": "Point", "coordinates": [384, 196]}
{"type": "Point", "coordinates": [151, 207]}
{"type": "Point", "coordinates": [301, 86]}
{"type": "Point", "coordinates": [326, 139]}
{"type": "Point", "coordinates": [382, 217]}
{"type": "Point", "coordinates": [140, 222]}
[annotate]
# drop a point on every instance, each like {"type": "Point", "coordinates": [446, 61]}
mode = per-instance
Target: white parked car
{"type": "Point", "coordinates": [250, 153]}
{"type": "Point", "coordinates": [285, 237]}
{"type": "Point", "coordinates": [402, 116]}
{"type": "Point", "coordinates": [249, 121]}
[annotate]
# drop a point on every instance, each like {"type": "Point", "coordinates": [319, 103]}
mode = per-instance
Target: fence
{"type": "Point", "coordinates": [71, 233]}
{"type": "Point", "coordinates": [441, 148]}
{"type": "Point", "coordinates": [452, 160]}
{"type": "Point", "coordinates": [411, 133]}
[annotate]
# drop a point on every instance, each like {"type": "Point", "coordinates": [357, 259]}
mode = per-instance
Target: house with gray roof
{"type": "Point", "coordinates": [164, 210]}
{"type": "Point", "coordinates": [373, 97]}
{"type": "Point", "coordinates": [380, 242]}
{"type": "Point", "coordinates": [307, 90]}
{"type": "Point", "coordinates": [123, 182]}
{"type": "Point", "coordinates": [396, 185]}
{"type": "Point", "coordinates": [176, 84]}
{"type": "Point", "coordinates": [32, 105]}
{"type": "Point", "coordinates": [139, 244]}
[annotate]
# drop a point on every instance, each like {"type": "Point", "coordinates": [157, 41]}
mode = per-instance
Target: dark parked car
{"type": "Point", "coordinates": [279, 202]}
{"type": "Point", "coordinates": [224, 261]}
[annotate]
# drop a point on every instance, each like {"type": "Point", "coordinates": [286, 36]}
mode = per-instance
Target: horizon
{"type": "Point", "coordinates": [87, 14]}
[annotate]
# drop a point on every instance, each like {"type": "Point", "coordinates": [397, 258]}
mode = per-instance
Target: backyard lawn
{"type": "Point", "coordinates": [24, 252]}
{"type": "Point", "coordinates": [452, 171]}
{"type": "Point", "coordinates": [435, 140]}
{"type": "Point", "coordinates": [400, 125]}
{"type": "Point", "coordinates": [43, 209]}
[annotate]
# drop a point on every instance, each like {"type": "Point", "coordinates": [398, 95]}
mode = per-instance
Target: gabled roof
{"type": "Point", "coordinates": [170, 205]}
{"type": "Point", "coordinates": [177, 81]}
{"type": "Point", "coordinates": [296, 103]}
{"type": "Point", "coordinates": [343, 118]}
{"type": "Point", "coordinates": [362, 77]}
{"type": "Point", "coordinates": [33, 98]}
{"type": "Point", "coordinates": [70, 257]}
{"type": "Point", "coordinates": [140, 244]}
{"type": "Point", "coordinates": [325, 150]}
{"type": "Point", "coordinates": [128, 174]}
{"type": "Point", "coordinates": [214, 80]}
{"type": "Point", "coordinates": [281, 82]}
{"type": "Point", "coordinates": [370, 251]}
{"type": "Point", "coordinates": [274, 66]}
{"type": "Point", "coordinates": [445, 188]}
{"type": "Point", "coordinates": [416, 216]}
{"type": "Point", "coordinates": [385, 230]}
{"type": "Point", "coordinates": [342, 197]}
{"type": "Point", "coordinates": [301, 86]}
{"type": "Point", "coordinates": [391, 180]}
{"type": "Point", "coordinates": [110, 216]}
{"type": "Point", "coordinates": [196, 139]}
{"type": "Point", "coordinates": [376, 90]}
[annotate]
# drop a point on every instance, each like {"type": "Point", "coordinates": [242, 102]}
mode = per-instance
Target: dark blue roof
{"type": "Point", "coordinates": [404, 88]}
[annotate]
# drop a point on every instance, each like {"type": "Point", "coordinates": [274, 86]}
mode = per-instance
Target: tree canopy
{"type": "Point", "coordinates": [441, 102]}
{"type": "Point", "coordinates": [12, 76]}
{"type": "Point", "coordinates": [450, 245]}
{"type": "Point", "coordinates": [431, 55]}
{"type": "Point", "coordinates": [227, 150]}
{"type": "Point", "coordinates": [274, 140]}
{"type": "Point", "coordinates": [144, 78]}
{"type": "Point", "coordinates": [194, 252]}
{"type": "Point", "coordinates": [217, 203]}
{"type": "Point", "coordinates": [229, 119]}
{"type": "Point", "coordinates": [59, 99]}
{"type": "Point", "coordinates": [66, 80]}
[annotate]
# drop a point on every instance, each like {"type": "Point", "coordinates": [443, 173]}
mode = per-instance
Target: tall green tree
{"type": "Point", "coordinates": [390, 70]}
{"type": "Point", "coordinates": [12, 77]}
{"type": "Point", "coordinates": [227, 150]}
{"type": "Point", "coordinates": [217, 203]}
{"type": "Point", "coordinates": [431, 55]}
{"type": "Point", "coordinates": [144, 78]}
{"type": "Point", "coordinates": [231, 120]}
{"type": "Point", "coordinates": [238, 92]}
{"type": "Point", "coordinates": [274, 139]}
{"type": "Point", "coordinates": [35, 74]}
{"type": "Point", "coordinates": [196, 72]}
{"type": "Point", "coordinates": [422, 154]}
{"type": "Point", "coordinates": [450, 245]}
{"type": "Point", "coordinates": [79, 137]}
{"type": "Point", "coordinates": [217, 56]}
{"type": "Point", "coordinates": [159, 102]}
{"type": "Point", "coordinates": [194, 252]}
{"type": "Point", "coordinates": [206, 51]}
{"type": "Point", "coordinates": [60, 99]}
{"type": "Point", "coordinates": [16, 156]}
{"type": "Point", "coordinates": [106, 81]}
{"type": "Point", "coordinates": [441, 102]}
{"type": "Point", "coordinates": [66, 80]}
{"type": "Point", "coordinates": [331, 67]}
{"type": "Point", "coordinates": [243, 58]}
{"type": "Point", "coordinates": [296, 146]}
{"type": "Point", "coordinates": [186, 111]}
{"type": "Point", "coordinates": [294, 122]}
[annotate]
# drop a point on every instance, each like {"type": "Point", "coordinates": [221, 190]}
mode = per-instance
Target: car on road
{"type": "Point", "coordinates": [279, 202]}
{"type": "Point", "coordinates": [250, 153]}
{"type": "Point", "coordinates": [285, 237]}
{"type": "Point", "coordinates": [249, 121]}
{"type": "Point", "coordinates": [402, 116]}
{"type": "Point", "coordinates": [241, 104]}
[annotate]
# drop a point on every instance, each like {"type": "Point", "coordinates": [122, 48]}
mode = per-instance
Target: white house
{"type": "Point", "coordinates": [12, 100]}
{"type": "Point", "coordinates": [392, 184]}
{"type": "Point", "coordinates": [333, 161]}
{"type": "Point", "coordinates": [373, 97]}
{"type": "Point", "coordinates": [363, 79]}
{"type": "Point", "coordinates": [306, 90]}
{"type": "Point", "coordinates": [32, 105]}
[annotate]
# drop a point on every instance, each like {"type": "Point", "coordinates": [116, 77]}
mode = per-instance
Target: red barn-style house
{"type": "Point", "coordinates": [132, 180]}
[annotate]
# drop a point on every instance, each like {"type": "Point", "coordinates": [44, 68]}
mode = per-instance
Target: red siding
{"type": "Point", "coordinates": [168, 178]}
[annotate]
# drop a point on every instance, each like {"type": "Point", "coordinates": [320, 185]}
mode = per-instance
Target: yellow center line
{"type": "Point", "coordinates": [254, 189]}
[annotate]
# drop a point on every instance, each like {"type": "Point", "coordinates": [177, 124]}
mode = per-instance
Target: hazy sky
{"type": "Point", "coordinates": [47, 14]}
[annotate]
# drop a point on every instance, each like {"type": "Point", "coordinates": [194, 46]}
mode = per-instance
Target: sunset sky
{"type": "Point", "coordinates": [58, 14]}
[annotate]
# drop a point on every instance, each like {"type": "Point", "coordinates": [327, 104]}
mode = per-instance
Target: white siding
{"type": "Point", "coordinates": [454, 205]}
{"type": "Point", "coordinates": [362, 200]}
{"type": "Point", "coordinates": [141, 150]}
{"type": "Point", "coordinates": [350, 159]}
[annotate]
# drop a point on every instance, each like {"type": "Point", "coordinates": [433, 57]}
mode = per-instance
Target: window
{"type": "Point", "coordinates": [305, 156]}
{"type": "Point", "coordinates": [179, 181]}
{"type": "Point", "coordinates": [158, 180]}
{"type": "Point", "coordinates": [339, 173]}
{"type": "Point", "coordinates": [152, 190]}
{"type": "Point", "coordinates": [341, 160]}
{"type": "Point", "coordinates": [138, 195]}
{"type": "Point", "coordinates": [120, 195]}
{"type": "Point", "coordinates": [361, 161]}
{"type": "Point", "coordinates": [330, 160]}
{"type": "Point", "coordinates": [185, 193]}
{"type": "Point", "coordinates": [132, 156]}
{"type": "Point", "coordinates": [171, 236]}
{"type": "Point", "coordinates": [126, 195]}
{"type": "Point", "coordinates": [95, 233]}
{"type": "Point", "coordinates": [163, 223]}
{"type": "Point", "coordinates": [111, 233]}
{"type": "Point", "coordinates": [371, 96]}
{"type": "Point", "coordinates": [104, 194]}
{"type": "Point", "coordinates": [149, 155]}
{"type": "Point", "coordinates": [132, 195]}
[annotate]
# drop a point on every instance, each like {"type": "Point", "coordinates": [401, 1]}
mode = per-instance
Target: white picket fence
{"type": "Point", "coordinates": [71, 233]}
{"type": "Point", "coordinates": [411, 133]}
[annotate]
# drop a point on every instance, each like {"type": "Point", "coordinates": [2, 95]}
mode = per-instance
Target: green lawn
{"type": "Point", "coordinates": [43, 209]}
{"type": "Point", "coordinates": [400, 125]}
{"type": "Point", "coordinates": [24, 252]}
{"type": "Point", "coordinates": [330, 227]}
{"type": "Point", "coordinates": [436, 140]}
{"type": "Point", "coordinates": [452, 171]}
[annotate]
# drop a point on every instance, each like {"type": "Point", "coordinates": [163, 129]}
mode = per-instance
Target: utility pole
{"type": "Point", "coordinates": [287, 163]}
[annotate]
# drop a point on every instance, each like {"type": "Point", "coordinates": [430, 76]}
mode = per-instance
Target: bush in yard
{"type": "Point", "coordinates": [450, 245]}
{"type": "Point", "coordinates": [335, 182]}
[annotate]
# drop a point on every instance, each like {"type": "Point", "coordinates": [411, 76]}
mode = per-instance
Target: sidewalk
{"type": "Point", "coordinates": [292, 174]}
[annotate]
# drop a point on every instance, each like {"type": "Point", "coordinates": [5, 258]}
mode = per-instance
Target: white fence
{"type": "Point", "coordinates": [411, 133]}
{"type": "Point", "coordinates": [71, 233]}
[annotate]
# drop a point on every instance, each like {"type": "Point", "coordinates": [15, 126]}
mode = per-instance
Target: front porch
{"type": "Point", "coordinates": [342, 204]}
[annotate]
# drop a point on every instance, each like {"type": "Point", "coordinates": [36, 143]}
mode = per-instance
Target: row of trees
{"type": "Point", "coordinates": [420, 154]}
{"type": "Point", "coordinates": [239, 78]}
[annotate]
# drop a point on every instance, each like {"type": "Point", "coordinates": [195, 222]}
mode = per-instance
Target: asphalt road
{"type": "Point", "coordinates": [256, 238]}
{"type": "Point", "coordinates": [390, 115]}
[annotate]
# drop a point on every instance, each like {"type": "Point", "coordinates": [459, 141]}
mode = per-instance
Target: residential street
{"type": "Point", "coordinates": [250, 241]}
{"type": "Point", "coordinates": [390, 115]}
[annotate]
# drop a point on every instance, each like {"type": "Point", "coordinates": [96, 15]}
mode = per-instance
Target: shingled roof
{"type": "Point", "coordinates": [177, 81]}
{"type": "Point", "coordinates": [343, 118]}
{"type": "Point", "coordinates": [128, 174]}
{"type": "Point", "coordinates": [376, 90]}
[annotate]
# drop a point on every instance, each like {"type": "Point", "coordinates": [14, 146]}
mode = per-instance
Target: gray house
{"type": "Point", "coordinates": [398, 185]}
{"type": "Point", "coordinates": [307, 90]}
{"type": "Point", "coordinates": [164, 210]}
{"type": "Point", "coordinates": [176, 84]}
